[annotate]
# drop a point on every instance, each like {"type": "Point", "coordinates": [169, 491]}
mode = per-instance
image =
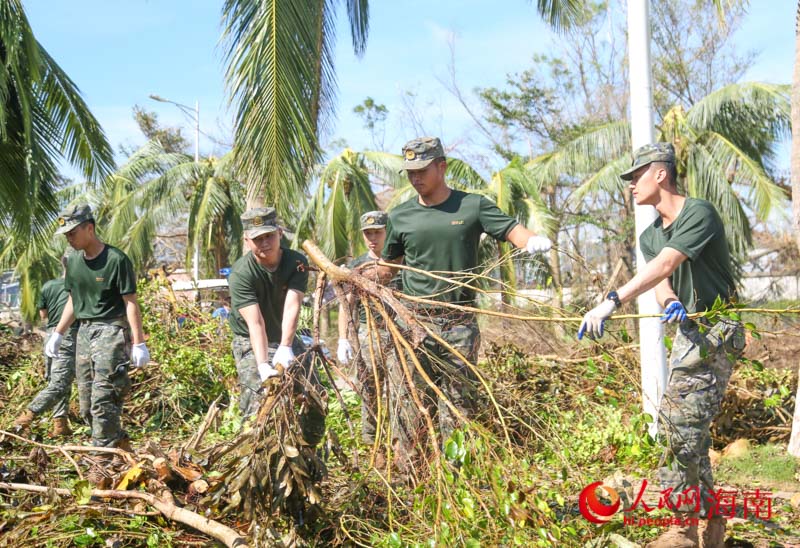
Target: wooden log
{"type": "Point", "coordinates": [164, 503]}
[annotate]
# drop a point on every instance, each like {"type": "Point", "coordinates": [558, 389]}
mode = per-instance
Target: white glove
{"type": "Point", "coordinates": [592, 324]}
{"type": "Point", "coordinates": [139, 355]}
{"type": "Point", "coordinates": [53, 344]}
{"type": "Point", "coordinates": [344, 353]}
{"type": "Point", "coordinates": [265, 370]}
{"type": "Point", "coordinates": [538, 244]}
{"type": "Point", "coordinates": [284, 356]}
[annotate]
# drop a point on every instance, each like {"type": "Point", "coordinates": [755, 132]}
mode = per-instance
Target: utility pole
{"type": "Point", "coordinates": [652, 354]}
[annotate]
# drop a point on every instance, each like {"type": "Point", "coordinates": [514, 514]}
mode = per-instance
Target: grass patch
{"type": "Point", "coordinates": [763, 466]}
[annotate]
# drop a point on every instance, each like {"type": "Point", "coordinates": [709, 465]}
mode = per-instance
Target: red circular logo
{"type": "Point", "coordinates": [592, 508]}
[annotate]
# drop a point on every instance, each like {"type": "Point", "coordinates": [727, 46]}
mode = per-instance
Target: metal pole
{"type": "Point", "coordinates": [651, 331]}
{"type": "Point", "coordinates": [196, 257]}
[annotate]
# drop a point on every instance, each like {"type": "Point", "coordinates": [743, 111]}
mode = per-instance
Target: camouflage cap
{"type": "Point", "coordinates": [72, 216]}
{"type": "Point", "coordinates": [647, 154]}
{"type": "Point", "coordinates": [419, 153]}
{"type": "Point", "coordinates": [258, 221]}
{"type": "Point", "coordinates": [373, 219]}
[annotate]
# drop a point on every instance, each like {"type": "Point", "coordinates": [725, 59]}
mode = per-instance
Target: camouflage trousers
{"type": "Point", "coordinates": [59, 373]}
{"type": "Point", "coordinates": [371, 366]}
{"type": "Point", "coordinates": [454, 378]}
{"type": "Point", "coordinates": [700, 367]}
{"type": "Point", "coordinates": [312, 419]}
{"type": "Point", "coordinates": [102, 359]}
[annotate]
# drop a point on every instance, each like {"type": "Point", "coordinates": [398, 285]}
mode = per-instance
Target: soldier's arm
{"type": "Point", "coordinates": [134, 316]}
{"type": "Point", "coordinates": [665, 294]}
{"type": "Point", "coordinates": [258, 331]}
{"type": "Point", "coordinates": [519, 236]}
{"type": "Point", "coordinates": [67, 317]}
{"type": "Point", "coordinates": [291, 313]}
{"type": "Point", "coordinates": [386, 273]}
{"type": "Point", "coordinates": [652, 274]}
{"type": "Point", "coordinates": [345, 315]}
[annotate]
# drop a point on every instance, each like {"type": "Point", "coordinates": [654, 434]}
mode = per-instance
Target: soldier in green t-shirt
{"type": "Point", "coordinates": [439, 231]}
{"type": "Point", "coordinates": [267, 286]}
{"type": "Point", "coordinates": [59, 371]}
{"type": "Point", "coordinates": [370, 373]}
{"type": "Point", "coordinates": [690, 268]}
{"type": "Point", "coordinates": [101, 284]}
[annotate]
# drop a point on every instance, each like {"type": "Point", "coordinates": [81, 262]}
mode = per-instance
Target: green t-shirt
{"type": "Point", "coordinates": [97, 285]}
{"type": "Point", "coordinates": [52, 298]}
{"type": "Point", "coordinates": [443, 238]}
{"type": "Point", "coordinates": [698, 233]}
{"type": "Point", "coordinates": [395, 284]}
{"type": "Point", "coordinates": [251, 283]}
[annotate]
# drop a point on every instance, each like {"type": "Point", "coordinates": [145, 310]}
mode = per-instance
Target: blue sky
{"type": "Point", "coordinates": [120, 52]}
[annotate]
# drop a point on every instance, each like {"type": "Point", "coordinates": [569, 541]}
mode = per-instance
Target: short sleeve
{"type": "Point", "coordinates": [495, 223]}
{"type": "Point", "coordinates": [393, 246]}
{"type": "Point", "coordinates": [242, 289]}
{"type": "Point", "coordinates": [299, 278]}
{"type": "Point", "coordinates": [126, 277]}
{"type": "Point", "coordinates": [700, 226]}
{"type": "Point", "coordinates": [41, 301]}
{"type": "Point", "coordinates": [646, 244]}
{"type": "Point", "coordinates": [68, 275]}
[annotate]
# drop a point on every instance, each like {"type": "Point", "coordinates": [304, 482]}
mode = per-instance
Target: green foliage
{"type": "Point", "coordinates": [194, 358]}
{"type": "Point", "coordinates": [770, 463]}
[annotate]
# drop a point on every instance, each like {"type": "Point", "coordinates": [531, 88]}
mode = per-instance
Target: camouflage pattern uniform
{"type": "Point", "coordinates": [103, 341]}
{"type": "Point", "coordinates": [700, 367]}
{"type": "Point", "coordinates": [59, 373]}
{"type": "Point", "coordinates": [251, 283]}
{"type": "Point", "coordinates": [102, 361]}
{"type": "Point", "coordinates": [448, 372]}
{"type": "Point", "coordinates": [439, 238]}
{"type": "Point", "coordinates": [702, 357]}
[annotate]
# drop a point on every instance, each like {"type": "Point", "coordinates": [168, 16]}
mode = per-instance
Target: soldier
{"type": "Point", "coordinates": [439, 230]}
{"type": "Point", "coordinates": [267, 286]}
{"type": "Point", "coordinates": [689, 266]}
{"type": "Point", "coordinates": [59, 371]}
{"type": "Point", "coordinates": [101, 284]}
{"type": "Point", "coordinates": [370, 374]}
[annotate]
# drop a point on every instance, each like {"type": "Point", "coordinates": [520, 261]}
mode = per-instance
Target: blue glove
{"type": "Point", "coordinates": [675, 312]}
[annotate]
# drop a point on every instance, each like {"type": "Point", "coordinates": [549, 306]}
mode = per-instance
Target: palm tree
{"type": "Point", "coordinates": [281, 77]}
{"type": "Point", "coordinates": [42, 120]}
{"type": "Point", "coordinates": [154, 186]}
{"type": "Point", "coordinates": [281, 74]}
{"type": "Point", "coordinates": [725, 146]}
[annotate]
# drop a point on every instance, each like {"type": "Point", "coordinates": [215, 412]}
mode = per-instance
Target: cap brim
{"type": "Point", "coordinates": [367, 227]}
{"type": "Point", "coordinates": [67, 227]}
{"type": "Point", "coordinates": [627, 175]}
{"type": "Point", "coordinates": [415, 164]}
{"type": "Point", "coordinates": [258, 231]}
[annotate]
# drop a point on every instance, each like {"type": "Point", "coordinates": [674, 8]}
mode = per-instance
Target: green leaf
{"type": "Point", "coordinates": [82, 491]}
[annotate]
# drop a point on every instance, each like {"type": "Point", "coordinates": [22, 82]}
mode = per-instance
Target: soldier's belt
{"type": "Point", "coordinates": [117, 322]}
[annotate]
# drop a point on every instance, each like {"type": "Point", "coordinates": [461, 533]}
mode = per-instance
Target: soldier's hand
{"type": "Point", "coordinates": [266, 371]}
{"type": "Point", "coordinates": [592, 325]}
{"type": "Point", "coordinates": [675, 312]}
{"type": "Point", "coordinates": [53, 344]}
{"type": "Point", "coordinates": [284, 356]}
{"type": "Point", "coordinates": [538, 244]}
{"type": "Point", "coordinates": [139, 355]}
{"type": "Point", "coordinates": [344, 352]}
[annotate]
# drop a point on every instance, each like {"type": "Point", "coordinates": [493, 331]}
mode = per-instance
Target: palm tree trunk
{"type": "Point", "coordinates": [794, 441]}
